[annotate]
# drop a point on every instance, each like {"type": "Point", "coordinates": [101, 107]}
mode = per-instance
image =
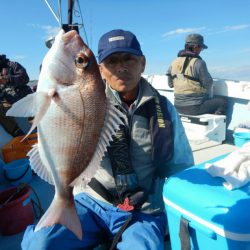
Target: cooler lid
{"type": "Point", "coordinates": [197, 195]}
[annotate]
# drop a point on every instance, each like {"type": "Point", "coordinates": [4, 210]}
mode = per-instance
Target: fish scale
{"type": "Point", "coordinates": [75, 123]}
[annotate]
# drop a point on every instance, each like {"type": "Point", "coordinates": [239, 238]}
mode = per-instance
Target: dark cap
{"type": "Point", "coordinates": [2, 57]}
{"type": "Point", "coordinates": [196, 39]}
{"type": "Point", "coordinates": [3, 60]}
{"type": "Point", "coordinates": [118, 41]}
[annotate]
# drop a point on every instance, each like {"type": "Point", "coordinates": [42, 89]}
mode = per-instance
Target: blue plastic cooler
{"type": "Point", "coordinates": [213, 217]}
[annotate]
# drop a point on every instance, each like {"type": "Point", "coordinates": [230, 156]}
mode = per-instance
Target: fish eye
{"type": "Point", "coordinates": [81, 60]}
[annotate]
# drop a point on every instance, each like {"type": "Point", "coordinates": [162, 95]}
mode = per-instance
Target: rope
{"type": "Point", "coordinates": [81, 17]}
{"type": "Point", "coordinates": [52, 11]}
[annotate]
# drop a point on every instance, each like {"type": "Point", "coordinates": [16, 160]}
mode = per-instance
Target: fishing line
{"type": "Point", "coordinates": [52, 11]}
{"type": "Point", "coordinates": [60, 12]}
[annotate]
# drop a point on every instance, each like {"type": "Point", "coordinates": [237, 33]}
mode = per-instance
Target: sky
{"type": "Point", "coordinates": [160, 26]}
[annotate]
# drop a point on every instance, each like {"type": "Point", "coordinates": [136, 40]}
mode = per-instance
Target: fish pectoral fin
{"type": "Point", "coordinates": [42, 103]}
{"type": "Point", "coordinates": [32, 105]}
{"type": "Point", "coordinates": [60, 212]}
{"type": "Point", "coordinates": [25, 107]}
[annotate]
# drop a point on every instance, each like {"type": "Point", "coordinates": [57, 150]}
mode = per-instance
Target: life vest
{"type": "Point", "coordinates": [182, 75]}
{"type": "Point", "coordinates": [162, 141]}
{"type": "Point", "coordinates": [162, 145]}
{"type": "Point", "coordinates": [160, 125]}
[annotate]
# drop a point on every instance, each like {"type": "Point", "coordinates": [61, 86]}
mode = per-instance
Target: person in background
{"type": "Point", "coordinates": [13, 86]}
{"type": "Point", "coordinates": [192, 83]}
{"type": "Point", "coordinates": [123, 202]}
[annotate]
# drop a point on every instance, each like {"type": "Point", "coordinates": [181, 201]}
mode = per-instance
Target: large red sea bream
{"type": "Point", "coordinates": [74, 123]}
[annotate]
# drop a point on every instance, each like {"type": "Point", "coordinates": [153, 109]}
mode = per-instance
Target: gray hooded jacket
{"type": "Point", "coordinates": [140, 151]}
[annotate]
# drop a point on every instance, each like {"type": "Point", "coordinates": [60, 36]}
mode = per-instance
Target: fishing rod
{"type": "Point", "coordinates": [52, 11]}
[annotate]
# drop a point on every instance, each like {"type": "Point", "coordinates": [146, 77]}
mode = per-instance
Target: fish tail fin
{"type": "Point", "coordinates": [61, 212]}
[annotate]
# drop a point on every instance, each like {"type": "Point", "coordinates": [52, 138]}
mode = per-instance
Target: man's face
{"type": "Point", "coordinates": [122, 71]}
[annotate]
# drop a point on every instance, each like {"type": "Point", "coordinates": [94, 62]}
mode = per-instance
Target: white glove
{"type": "Point", "coordinates": [239, 178]}
{"type": "Point", "coordinates": [225, 166]}
{"type": "Point", "coordinates": [234, 168]}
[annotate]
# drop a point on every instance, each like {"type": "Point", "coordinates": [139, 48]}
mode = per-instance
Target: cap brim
{"type": "Point", "coordinates": [118, 50]}
{"type": "Point", "coordinates": [204, 46]}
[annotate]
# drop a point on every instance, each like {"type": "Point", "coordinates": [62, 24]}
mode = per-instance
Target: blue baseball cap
{"type": "Point", "coordinates": [116, 41]}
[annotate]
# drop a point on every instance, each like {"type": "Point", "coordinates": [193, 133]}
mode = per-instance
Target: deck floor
{"type": "Point", "coordinates": [211, 151]}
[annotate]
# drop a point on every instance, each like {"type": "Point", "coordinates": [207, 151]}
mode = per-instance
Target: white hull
{"type": "Point", "coordinates": [237, 93]}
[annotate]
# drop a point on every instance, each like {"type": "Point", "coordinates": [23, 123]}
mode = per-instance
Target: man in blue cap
{"type": "Point", "coordinates": [192, 82]}
{"type": "Point", "coordinates": [123, 203]}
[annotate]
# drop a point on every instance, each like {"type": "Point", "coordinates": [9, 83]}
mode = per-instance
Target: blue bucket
{"type": "Point", "coordinates": [18, 171]}
{"type": "Point", "coordinates": [240, 138]}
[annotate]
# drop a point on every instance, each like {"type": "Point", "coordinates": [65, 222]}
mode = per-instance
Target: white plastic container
{"type": "Point", "coordinates": [204, 128]}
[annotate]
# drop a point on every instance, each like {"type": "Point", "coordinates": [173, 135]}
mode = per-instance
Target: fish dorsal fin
{"type": "Point", "coordinates": [113, 119]}
{"type": "Point", "coordinates": [37, 165]}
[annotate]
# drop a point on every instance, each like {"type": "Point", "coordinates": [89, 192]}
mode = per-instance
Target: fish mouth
{"type": "Point", "coordinates": [74, 38]}
{"type": "Point", "coordinates": [69, 35]}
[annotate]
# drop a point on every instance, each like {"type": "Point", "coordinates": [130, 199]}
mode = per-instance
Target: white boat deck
{"type": "Point", "coordinates": [202, 152]}
{"type": "Point", "coordinates": [46, 191]}
{"type": "Point", "coordinates": [211, 152]}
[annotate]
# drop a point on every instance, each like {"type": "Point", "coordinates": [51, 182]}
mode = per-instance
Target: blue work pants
{"type": "Point", "coordinates": [100, 223]}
